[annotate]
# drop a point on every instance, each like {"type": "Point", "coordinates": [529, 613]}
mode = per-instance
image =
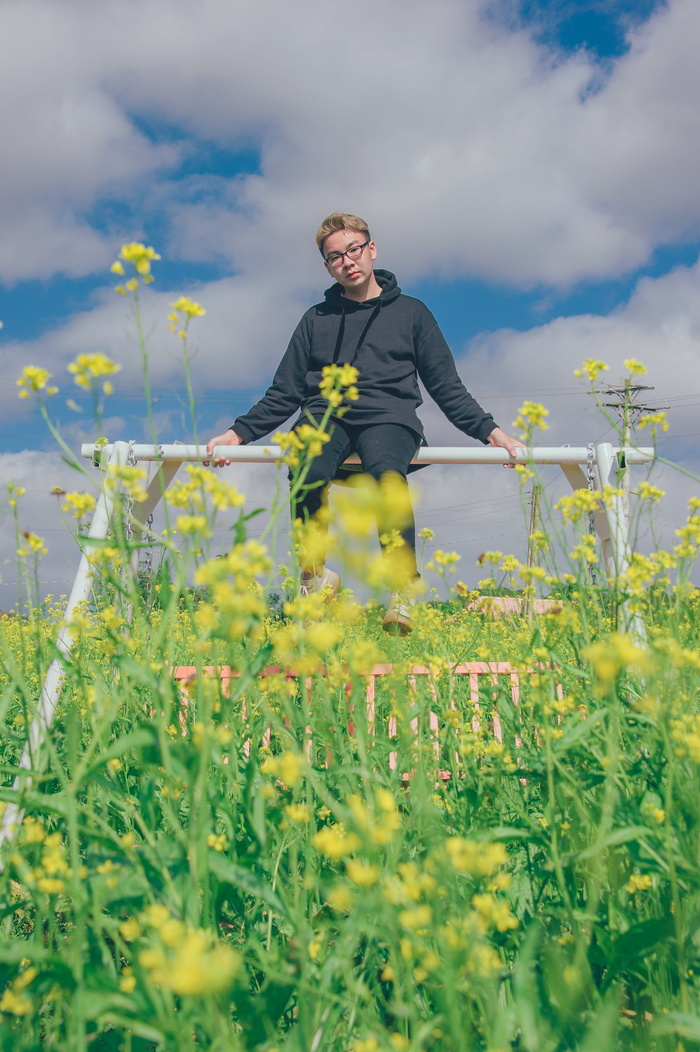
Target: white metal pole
{"type": "Point", "coordinates": [605, 460]}
{"type": "Point", "coordinates": [265, 454]}
{"type": "Point", "coordinates": [55, 674]}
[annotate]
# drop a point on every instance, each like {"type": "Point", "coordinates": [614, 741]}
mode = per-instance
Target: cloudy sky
{"type": "Point", "coordinates": [528, 167]}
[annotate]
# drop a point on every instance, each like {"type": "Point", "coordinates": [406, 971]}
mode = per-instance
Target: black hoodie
{"type": "Point", "coordinates": [392, 340]}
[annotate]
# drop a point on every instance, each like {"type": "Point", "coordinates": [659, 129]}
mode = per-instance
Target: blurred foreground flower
{"type": "Point", "coordinates": [34, 379]}
{"type": "Point", "coordinates": [592, 367]}
{"type": "Point", "coordinates": [183, 310]}
{"type": "Point", "coordinates": [87, 368]}
{"type": "Point", "coordinates": [140, 257]}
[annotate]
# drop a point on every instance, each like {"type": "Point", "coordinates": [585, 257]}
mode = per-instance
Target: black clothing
{"type": "Point", "coordinates": [382, 448]}
{"type": "Point", "coordinates": [392, 340]}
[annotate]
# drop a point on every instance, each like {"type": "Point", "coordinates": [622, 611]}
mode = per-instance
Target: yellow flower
{"type": "Point", "coordinates": [15, 1004]}
{"type": "Point", "coordinates": [34, 379]}
{"type": "Point", "coordinates": [33, 545]}
{"type": "Point", "coordinates": [198, 966]}
{"type": "Point", "coordinates": [610, 657]}
{"type": "Point", "coordinates": [219, 843]}
{"type": "Point", "coordinates": [87, 368]}
{"type": "Point", "coordinates": [339, 897]}
{"type": "Point", "coordinates": [188, 307]}
{"type": "Point", "coordinates": [649, 492]}
{"type": "Point", "coordinates": [416, 918]}
{"type": "Point", "coordinates": [33, 831]}
{"type": "Point", "coordinates": [138, 255]}
{"type": "Point", "coordinates": [184, 310]}
{"type": "Point", "coordinates": [574, 506]}
{"type": "Point", "coordinates": [494, 911]}
{"type": "Point", "coordinates": [591, 368]}
{"type": "Point", "coordinates": [193, 525]}
{"type": "Point", "coordinates": [127, 983]}
{"type": "Point", "coordinates": [367, 1044]}
{"type": "Point", "coordinates": [298, 813]}
{"type": "Point", "coordinates": [130, 929]}
{"type": "Point", "coordinates": [335, 843]}
{"type": "Point", "coordinates": [634, 367]}
{"type": "Point", "coordinates": [638, 882]}
{"type": "Point", "coordinates": [156, 915]}
{"type": "Point", "coordinates": [289, 767]}
{"type": "Point", "coordinates": [475, 857]}
{"type": "Point", "coordinates": [79, 504]}
{"type": "Point", "coordinates": [335, 379]}
{"type": "Point", "coordinates": [654, 421]}
{"type": "Point", "coordinates": [443, 561]}
{"type": "Point", "coordinates": [531, 417]}
{"type": "Point", "coordinates": [364, 874]}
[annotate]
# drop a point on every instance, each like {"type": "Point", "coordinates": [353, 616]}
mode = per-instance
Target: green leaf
{"type": "Point", "coordinates": [142, 738]}
{"type": "Point", "coordinates": [578, 731]}
{"type": "Point", "coordinates": [687, 1026]}
{"type": "Point", "coordinates": [245, 879]}
{"type": "Point", "coordinates": [508, 833]}
{"type": "Point", "coordinates": [618, 836]}
{"type": "Point", "coordinates": [638, 941]}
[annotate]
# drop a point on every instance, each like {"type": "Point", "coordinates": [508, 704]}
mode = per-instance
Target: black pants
{"type": "Point", "coordinates": [382, 448]}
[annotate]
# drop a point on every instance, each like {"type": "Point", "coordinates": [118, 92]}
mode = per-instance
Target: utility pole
{"type": "Point", "coordinates": [629, 410]}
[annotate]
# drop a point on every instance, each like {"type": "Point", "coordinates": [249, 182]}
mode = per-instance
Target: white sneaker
{"type": "Point", "coordinates": [320, 583]}
{"type": "Point", "coordinates": [398, 617]}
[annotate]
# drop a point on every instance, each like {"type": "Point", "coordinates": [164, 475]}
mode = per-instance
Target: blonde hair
{"type": "Point", "coordinates": [339, 221]}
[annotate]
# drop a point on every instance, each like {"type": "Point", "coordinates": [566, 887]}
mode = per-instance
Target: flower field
{"type": "Point", "coordinates": [261, 863]}
{"type": "Point", "coordinates": [279, 858]}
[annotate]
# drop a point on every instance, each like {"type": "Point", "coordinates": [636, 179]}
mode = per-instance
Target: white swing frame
{"type": "Point", "coordinates": [609, 520]}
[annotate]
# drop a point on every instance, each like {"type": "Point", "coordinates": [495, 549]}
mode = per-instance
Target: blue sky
{"type": "Point", "coordinates": [528, 169]}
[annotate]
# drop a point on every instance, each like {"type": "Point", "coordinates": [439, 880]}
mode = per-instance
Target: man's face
{"type": "Point", "coordinates": [350, 273]}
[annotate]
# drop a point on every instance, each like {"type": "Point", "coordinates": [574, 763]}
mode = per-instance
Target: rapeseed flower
{"type": "Point", "coordinates": [531, 418]}
{"type": "Point", "coordinates": [364, 874]}
{"type": "Point", "coordinates": [651, 493]}
{"type": "Point", "coordinates": [638, 882]}
{"type": "Point", "coordinates": [477, 858]}
{"type": "Point", "coordinates": [79, 504]}
{"type": "Point", "coordinates": [140, 257]}
{"type": "Point", "coordinates": [592, 368]}
{"type": "Point", "coordinates": [33, 545]}
{"type": "Point", "coordinates": [655, 422]}
{"type": "Point", "coordinates": [289, 767]}
{"type": "Point", "coordinates": [87, 368]}
{"type": "Point", "coordinates": [34, 380]}
{"type": "Point", "coordinates": [335, 842]}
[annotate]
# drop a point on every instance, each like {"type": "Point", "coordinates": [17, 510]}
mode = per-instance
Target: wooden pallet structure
{"type": "Point", "coordinates": [486, 680]}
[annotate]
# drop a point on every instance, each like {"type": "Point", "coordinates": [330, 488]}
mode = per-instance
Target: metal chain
{"type": "Point", "coordinates": [129, 499]}
{"type": "Point", "coordinates": [590, 478]}
{"type": "Point", "coordinates": [146, 564]}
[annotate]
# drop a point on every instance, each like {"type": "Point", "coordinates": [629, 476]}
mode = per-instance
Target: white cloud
{"type": "Point", "coordinates": [451, 132]}
{"type": "Point", "coordinates": [659, 326]}
{"type": "Point", "coordinates": [472, 150]}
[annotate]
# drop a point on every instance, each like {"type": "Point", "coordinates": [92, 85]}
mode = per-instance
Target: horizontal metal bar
{"type": "Point", "coordinates": [426, 455]}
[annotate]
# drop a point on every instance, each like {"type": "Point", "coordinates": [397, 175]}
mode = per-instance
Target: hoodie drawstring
{"type": "Point", "coordinates": [363, 334]}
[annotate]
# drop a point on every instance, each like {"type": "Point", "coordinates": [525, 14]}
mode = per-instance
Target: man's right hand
{"type": "Point", "coordinates": [229, 438]}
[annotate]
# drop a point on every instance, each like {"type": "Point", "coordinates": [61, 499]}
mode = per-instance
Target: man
{"type": "Point", "coordinates": [392, 339]}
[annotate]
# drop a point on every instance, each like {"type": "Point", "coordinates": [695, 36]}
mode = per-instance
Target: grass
{"type": "Point", "coordinates": [261, 868]}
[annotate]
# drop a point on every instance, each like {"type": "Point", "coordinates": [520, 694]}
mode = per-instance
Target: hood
{"type": "Point", "coordinates": [385, 279]}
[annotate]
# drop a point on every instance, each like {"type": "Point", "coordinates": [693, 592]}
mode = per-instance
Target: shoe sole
{"type": "Point", "coordinates": [397, 624]}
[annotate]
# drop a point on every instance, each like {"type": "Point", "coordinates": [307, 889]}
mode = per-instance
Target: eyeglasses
{"type": "Point", "coordinates": [336, 258]}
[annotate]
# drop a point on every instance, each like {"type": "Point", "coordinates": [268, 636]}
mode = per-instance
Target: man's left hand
{"type": "Point", "coordinates": [500, 440]}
